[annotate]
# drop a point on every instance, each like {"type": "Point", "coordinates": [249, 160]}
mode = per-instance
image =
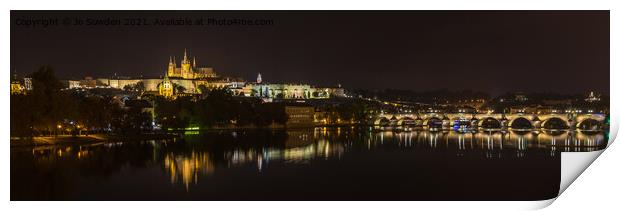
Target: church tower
{"type": "Point", "coordinates": [16, 87]}
{"type": "Point", "coordinates": [171, 67]}
{"type": "Point", "coordinates": [186, 67]}
{"type": "Point", "coordinates": [165, 87]}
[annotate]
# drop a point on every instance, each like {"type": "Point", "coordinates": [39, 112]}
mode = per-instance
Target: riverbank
{"type": "Point", "coordinates": [83, 139]}
{"type": "Point", "coordinates": [98, 138]}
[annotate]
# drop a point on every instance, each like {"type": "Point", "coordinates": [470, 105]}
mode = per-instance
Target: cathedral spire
{"type": "Point", "coordinates": [185, 56]}
{"type": "Point", "coordinates": [194, 61]}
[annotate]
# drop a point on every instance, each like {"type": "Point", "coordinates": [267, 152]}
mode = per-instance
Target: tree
{"type": "Point", "coordinates": [137, 87]}
{"type": "Point", "coordinates": [47, 104]}
{"type": "Point", "coordinates": [168, 113]}
{"type": "Point", "coordinates": [140, 87]}
{"type": "Point", "coordinates": [21, 119]}
{"type": "Point", "coordinates": [202, 89]}
{"type": "Point", "coordinates": [179, 88]}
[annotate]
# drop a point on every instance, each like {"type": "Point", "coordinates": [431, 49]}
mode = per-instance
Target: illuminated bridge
{"type": "Point", "coordinates": [590, 121]}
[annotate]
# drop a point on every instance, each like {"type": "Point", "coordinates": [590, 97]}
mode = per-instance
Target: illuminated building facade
{"type": "Point", "coordinates": [28, 84]}
{"type": "Point", "coordinates": [73, 84]}
{"type": "Point", "coordinates": [191, 85]}
{"type": "Point", "coordinates": [592, 98]}
{"type": "Point", "coordinates": [286, 90]}
{"type": "Point", "coordinates": [520, 97]}
{"type": "Point", "coordinates": [16, 87]}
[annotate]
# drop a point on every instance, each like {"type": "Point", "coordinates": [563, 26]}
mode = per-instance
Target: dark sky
{"type": "Point", "coordinates": [493, 51]}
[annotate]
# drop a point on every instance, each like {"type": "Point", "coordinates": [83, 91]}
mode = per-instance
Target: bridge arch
{"type": "Point", "coordinates": [474, 121]}
{"type": "Point", "coordinates": [554, 123]}
{"type": "Point", "coordinates": [489, 122]}
{"type": "Point", "coordinates": [589, 124]}
{"type": "Point", "coordinates": [520, 123]}
{"type": "Point", "coordinates": [394, 121]}
{"type": "Point", "coordinates": [382, 121]}
{"type": "Point", "coordinates": [432, 122]}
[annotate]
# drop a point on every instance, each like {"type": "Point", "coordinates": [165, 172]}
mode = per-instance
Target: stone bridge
{"type": "Point", "coordinates": [491, 120]}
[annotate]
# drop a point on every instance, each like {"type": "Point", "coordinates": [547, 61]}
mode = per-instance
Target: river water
{"type": "Point", "coordinates": [308, 164]}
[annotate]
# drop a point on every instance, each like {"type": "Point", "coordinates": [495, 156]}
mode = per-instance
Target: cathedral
{"type": "Point", "coordinates": [188, 69]}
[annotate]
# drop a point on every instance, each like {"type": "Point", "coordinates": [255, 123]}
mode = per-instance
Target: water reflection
{"type": "Point", "coordinates": [187, 162]}
{"type": "Point", "coordinates": [187, 169]}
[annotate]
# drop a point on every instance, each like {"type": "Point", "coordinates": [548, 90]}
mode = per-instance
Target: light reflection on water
{"type": "Point", "coordinates": [187, 161]}
{"type": "Point", "coordinates": [185, 169]}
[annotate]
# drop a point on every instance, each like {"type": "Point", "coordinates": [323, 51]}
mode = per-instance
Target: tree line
{"type": "Point", "coordinates": [217, 108]}
{"type": "Point", "coordinates": [48, 109]}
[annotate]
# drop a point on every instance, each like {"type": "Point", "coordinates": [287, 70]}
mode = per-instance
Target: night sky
{"type": "Point", "coordinates": [495, 52]}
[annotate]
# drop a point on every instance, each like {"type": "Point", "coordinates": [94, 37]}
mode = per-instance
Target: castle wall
{"type": "Point", "coordinates": [119, 83]}
{"type": "Point", "coordinates": [190, 86]}
{"type": "Point", "coordinates": [150, 85]}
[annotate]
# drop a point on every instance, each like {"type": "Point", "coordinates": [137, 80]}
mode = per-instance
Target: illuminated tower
{"type": "Point", "coordinates": [171, 67]}
{"type": "Point", "coordinates": [165, 87]}
{"type": "Point", "coordinates": [16, 87]}
{"type": "Point", "coordinates": [259, 79]}
{"type": "Point", "coordinates": [186, 67]}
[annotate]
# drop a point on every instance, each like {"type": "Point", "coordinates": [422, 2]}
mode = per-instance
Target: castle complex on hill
{"type": "Point", "coordinates": [188, 77]}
